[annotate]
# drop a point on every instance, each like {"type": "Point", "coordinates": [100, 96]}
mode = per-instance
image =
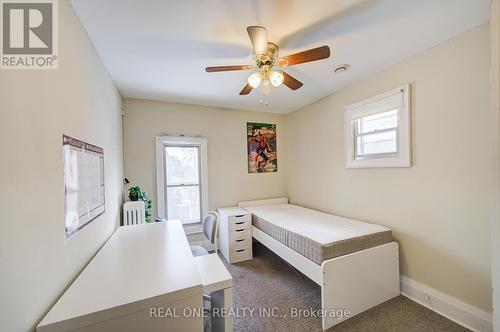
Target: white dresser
{"type": "Point", "coordinates": [235, 234]}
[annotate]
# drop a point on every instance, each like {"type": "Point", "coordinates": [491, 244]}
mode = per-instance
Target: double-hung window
{"type": "Point", "coordinates": [181, 178]}
{"type": "Point", "coordinates": [377, 131]}
{"type": "Point", "coordinates": [182, 182]}
{"type": "Point", "coordinates": [376, 135]}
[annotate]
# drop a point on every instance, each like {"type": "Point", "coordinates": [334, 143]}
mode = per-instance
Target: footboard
{"type": "Point", "coordinates": [356, 282]}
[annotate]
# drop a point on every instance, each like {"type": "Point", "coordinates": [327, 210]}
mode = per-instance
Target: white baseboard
{"type": "Point", "coordinates": [461, 313]}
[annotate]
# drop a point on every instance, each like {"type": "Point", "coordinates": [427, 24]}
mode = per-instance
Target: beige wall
{"type": "Point", "coordinates": [439, 208]}
{"type": "Point", "coordinates": [495, 130]}
{"type": "Point", "coordinates": [225, 130]}
{"type": "Point", "coordinates": [36, 108]}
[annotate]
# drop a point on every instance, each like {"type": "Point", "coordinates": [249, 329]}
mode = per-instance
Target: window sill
{"type": "Point", "coordinates": [379, 163]}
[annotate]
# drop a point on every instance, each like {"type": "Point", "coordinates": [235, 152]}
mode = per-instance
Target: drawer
{"type": "Point", "coordinates": [238, 234]}
{"type": "Point", "coordinates": [238, 255]}
{"type": "Point", "coordinates": [241, 217]}
{"type": "Point", "coordinates": [241, 243]}
{"type": "Point", "coordinates": [240, 224]}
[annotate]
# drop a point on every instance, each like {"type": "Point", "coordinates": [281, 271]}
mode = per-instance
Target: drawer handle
{"type": "Point", "coordinates": [239, 223]}
{"type": "Point", "coordinates": [239, 230]}
{"type": "Point", "coordinates": [240, 240]}
{"type": "Point", "coordinates": [240, 250]}
{"type": "Point", "coordinates": [239, 215]}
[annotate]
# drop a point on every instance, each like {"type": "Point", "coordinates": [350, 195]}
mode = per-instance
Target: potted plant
{"type": "Point", "coordinates": [137, 194]}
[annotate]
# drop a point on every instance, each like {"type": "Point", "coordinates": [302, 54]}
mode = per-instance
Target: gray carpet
{"type": "Point", "coordinates": [269, 282]}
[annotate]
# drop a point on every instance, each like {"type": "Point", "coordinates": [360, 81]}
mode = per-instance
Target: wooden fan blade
{"type": "Point", "coordinates": [314, 54]}
{"type": "Point", "coordinates": [290, 81]}
{"type": "Point", "coordinates": [227, 68]}
{"type": "Point", "coordinates": [246, 90]}
{"type": "Point", "coordinates": [258, 37]}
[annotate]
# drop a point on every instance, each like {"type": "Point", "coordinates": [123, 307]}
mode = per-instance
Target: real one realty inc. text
{"type": "Point", "coordinates": [273, 312]}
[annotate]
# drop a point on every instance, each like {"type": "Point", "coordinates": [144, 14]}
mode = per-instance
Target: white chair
{"type": "Point", "coordinates": [210, 227]}
{"type": "Point", "coordinates": [134, 213]}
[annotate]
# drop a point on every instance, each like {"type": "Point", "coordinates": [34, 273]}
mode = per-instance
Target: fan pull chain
{"type": "Point", "coordinates": [263, 99]}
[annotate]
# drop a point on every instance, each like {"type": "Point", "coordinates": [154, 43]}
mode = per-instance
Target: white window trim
{"type": "Point", "coordinates": [161, 141]}
{"type": "Point", "coordinates": [370, 106]}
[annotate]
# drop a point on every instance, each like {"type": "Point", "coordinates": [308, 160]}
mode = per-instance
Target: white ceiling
{"type": "Point", "coordinates": [156, 49]}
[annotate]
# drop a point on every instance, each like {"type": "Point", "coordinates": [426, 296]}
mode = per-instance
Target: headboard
{"type": "Point", "coordinates": [271, 201]}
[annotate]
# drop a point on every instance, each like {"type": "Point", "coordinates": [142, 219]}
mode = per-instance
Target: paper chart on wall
{"type": "Point", "coordinates": [83, 184]}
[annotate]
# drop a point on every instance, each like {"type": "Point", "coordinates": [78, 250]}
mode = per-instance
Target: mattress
{"type": "Point", "coordinates": [317, 235]}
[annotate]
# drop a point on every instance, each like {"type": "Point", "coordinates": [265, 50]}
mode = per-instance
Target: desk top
{"type": "Point", "coordinates": [213, 273]}
{"type": "Point", "coordinates": [140, 266]}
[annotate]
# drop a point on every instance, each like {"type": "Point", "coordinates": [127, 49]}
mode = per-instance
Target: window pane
{"type": "Point", "coordinates": [182, 165]}
{"type": "Point", "coordinates": [184, 203]}
{"type": "Point", "coordinates": [379, 121]}
{"type": "Point", "coordinates": [377, 143]}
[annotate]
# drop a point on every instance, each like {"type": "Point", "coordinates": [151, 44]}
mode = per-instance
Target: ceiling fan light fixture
{"type": "Point", "coordinates": [276, 78]}
{"type": "Point", "coordinates": [255, 79]}
{"type": "Point", "coordinates": [265, 55]}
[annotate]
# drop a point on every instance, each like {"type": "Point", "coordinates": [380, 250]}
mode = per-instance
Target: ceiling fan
{"type": "Point", "coordinates": [265, 55]}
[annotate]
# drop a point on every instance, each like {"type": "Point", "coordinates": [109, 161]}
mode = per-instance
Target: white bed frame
{"type": "Point", "coordinates": [355, 282]}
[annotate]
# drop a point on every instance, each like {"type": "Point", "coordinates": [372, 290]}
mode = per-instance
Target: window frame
{"type": "Point", "coordinates": [398, 98]}
{"type": "Point", "coordinates": [161, 186]}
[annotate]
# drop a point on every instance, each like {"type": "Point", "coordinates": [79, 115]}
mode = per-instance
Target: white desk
{"type": "Point", "coordinates": [140, 267]}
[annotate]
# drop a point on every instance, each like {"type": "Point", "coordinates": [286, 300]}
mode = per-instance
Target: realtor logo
{"type": "Point", "coordinates": [29, 34]}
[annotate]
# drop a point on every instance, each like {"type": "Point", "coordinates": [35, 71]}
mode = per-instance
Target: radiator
{"type": "Point", "coordinates": [134, 213]}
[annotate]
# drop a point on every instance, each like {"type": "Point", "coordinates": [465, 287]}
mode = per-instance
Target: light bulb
{"type": "Point", "coordinates": [276, 78]}
{"type": "Point", "coordinates": [254, 79]}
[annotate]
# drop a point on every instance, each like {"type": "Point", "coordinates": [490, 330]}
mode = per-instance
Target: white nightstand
{"type": "Point", "coordinates": [235, 234]}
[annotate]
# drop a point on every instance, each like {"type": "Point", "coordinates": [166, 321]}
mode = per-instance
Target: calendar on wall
{"type": "Point", "coordinates": [83, 183]}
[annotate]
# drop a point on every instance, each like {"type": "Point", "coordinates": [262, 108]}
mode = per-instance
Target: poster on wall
{"type": "Point", "coordinates": [83, 183]}
{"type": "Point", "coordinates": [261, 147]}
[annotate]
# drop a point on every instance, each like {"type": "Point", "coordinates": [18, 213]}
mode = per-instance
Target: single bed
{"type": "Point", "coordinates": [316, 235]}
{"type": "Point", "coordinates": [356, 263]}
